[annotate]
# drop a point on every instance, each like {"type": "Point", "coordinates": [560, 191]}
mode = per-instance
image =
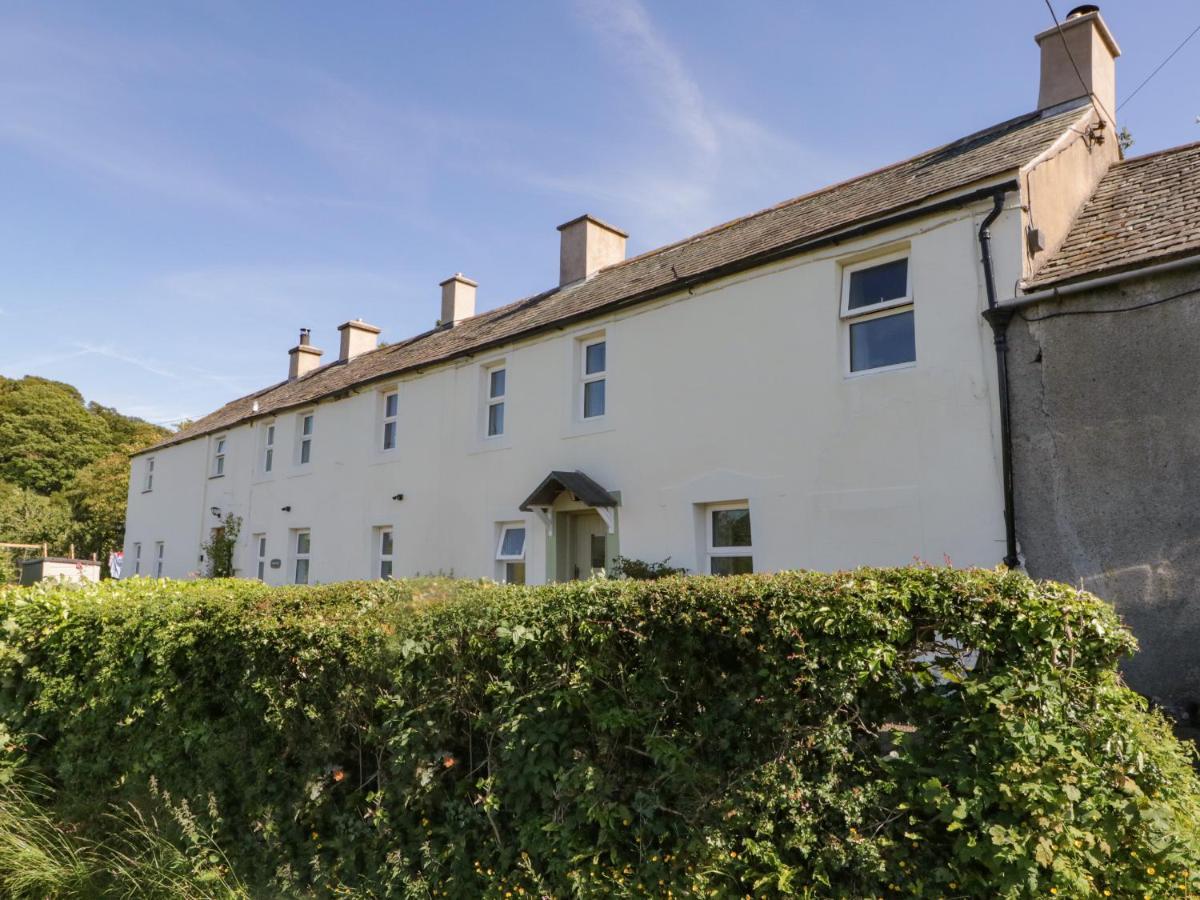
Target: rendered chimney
{"type": "Point", "coordinates": [1086, 44]}
{"type": "Point", "coordinates": [357, 337]}
{"type": "Point", "coordinates": [588, 245]}
{"type": "Point", "coordinates": [458, 299]}
{"type": "Point", "coordinates": [302, 358]}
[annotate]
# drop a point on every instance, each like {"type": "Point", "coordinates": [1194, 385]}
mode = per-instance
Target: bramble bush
{"type": "Point", "coordinates": [884, 732]}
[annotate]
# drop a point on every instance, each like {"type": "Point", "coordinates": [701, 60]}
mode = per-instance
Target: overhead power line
{"type": "Point", "coordinates": [1157, 68]}
{"type": "Point", "coordinates": [1096, 104]}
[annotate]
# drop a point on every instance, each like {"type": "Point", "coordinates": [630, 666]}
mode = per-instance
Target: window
{"type": "Point", "coordinates": [268, 460]}
{"type": "Point", "coordinates": [595, 370]}
{"type": "Point", "coordinates": [878, 308]}
{"type": "Point", "coordinates": [137, 559]}
{"type": "Point", "coordinates": [159, 550]}
{"type": "Point", "coordinates": [304, 437]}
{"type": "Point", "coordinates": [303, 552]}
{"type": "Point", "coordinates": [496, 388]}
{"type": "Point", "coordinates": [391, 413]}
{"type": "Point", "coordinates": [729, 545]}
{"type": "Point", "coordinates": [218, 461]}
{"type": "Point", "coordinates": [510, 553]}
{"type": "Point", "coordinates": [385, 551]}
{"type": "Point", "coordinates": [260, 548]}
{"type": "Point", "coordinates": [148, 478]}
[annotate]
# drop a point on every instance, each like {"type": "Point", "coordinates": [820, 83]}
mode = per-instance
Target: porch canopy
{"type": "Point", "coordinates": [583, 488]}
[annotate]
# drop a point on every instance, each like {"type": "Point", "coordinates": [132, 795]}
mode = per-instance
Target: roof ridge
{"type": "Point", "coordinates": [1155, 153]}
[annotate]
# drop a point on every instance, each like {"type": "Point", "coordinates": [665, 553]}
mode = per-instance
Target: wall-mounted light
{"type": "Point", "coordinates": [285, 509]}
{"type": "Point", "coordinates": [216, 511]}
{"type": "Point", "coordinates": [397, 496]}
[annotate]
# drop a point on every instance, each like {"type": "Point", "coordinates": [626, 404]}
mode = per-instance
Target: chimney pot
{"type": "Point", "coordinates": [587, 246]}
{"type": "Point", "coordinates": [303, 358]}
{"type": "Point", "coordinates": [357, 337]}
{"type": "Point", "coordinates": [458, 299]}
{"type": "Point", "coordinates": [1081, 42]}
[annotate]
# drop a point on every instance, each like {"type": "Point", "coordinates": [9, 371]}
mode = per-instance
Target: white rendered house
{"type": "Point", "coordinates": [813, 385]}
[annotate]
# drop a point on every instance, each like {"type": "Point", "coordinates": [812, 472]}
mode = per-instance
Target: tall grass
{"type": "Point", "coordinates": [42, 858]}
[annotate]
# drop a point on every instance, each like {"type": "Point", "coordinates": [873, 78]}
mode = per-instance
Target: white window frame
{"type": "Point", "coordinates": [268, 450]}
{"type": "Point", "coordinates": [504, 559]}
{"type": "Point", "coordinates": [297, 556]}
{"type": "Point", "coordinates": [148, 476]}
{"type": "Point", "coordinates": [380, 556]}
{"type": "Point", "coordinates": [302, 438]}
{"type": "Point", "coordinates": [137, 557]}
{"type": "Point", "coordinates": [260, 556]}
{"type": "Point", "coordinates": [586, 377]}
{"type": "Point", "coordinates": [490, 401]}
{"type": "Point", "coordinates": [883, 310]}
{"type": "Point", "coordinates": [386, 420]}
{"type": "Point", "coordinates": [218, 456]}
{"type": "Point", "coordinates": [160, 549]}
{"type": "Point", "coordinates": [710, 549]}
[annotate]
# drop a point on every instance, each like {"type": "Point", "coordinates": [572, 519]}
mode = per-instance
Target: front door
{"type": "Point", "coordinates": [589, 546]}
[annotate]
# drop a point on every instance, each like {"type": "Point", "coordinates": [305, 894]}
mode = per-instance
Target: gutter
{"type": "Point", "coordinates": [998, 317]}
{"type": "Point", "coordinates": [1077, 287]}
{"type": "Point", "coordinates": [686, 282]}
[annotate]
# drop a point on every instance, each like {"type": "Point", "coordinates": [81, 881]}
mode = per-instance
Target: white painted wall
{"type": "Point", "coordinates": [737, 392]}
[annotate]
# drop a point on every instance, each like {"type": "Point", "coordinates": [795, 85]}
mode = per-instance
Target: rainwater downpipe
{"type": "Point", "coordinates": [999, 317]}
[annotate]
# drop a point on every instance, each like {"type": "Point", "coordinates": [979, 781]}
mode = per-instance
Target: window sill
{"type": "Point", "coordinates": [211, 477]}
{"type": "Point", "coordinates": [148, 491]}
{"type": "Point", "coordinates": [899, 367]}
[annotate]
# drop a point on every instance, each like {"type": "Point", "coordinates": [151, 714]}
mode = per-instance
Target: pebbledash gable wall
{"type": "Point", "coordinates": [735, 391]}
{"type": "Point", "coordinates": [1106, 427]}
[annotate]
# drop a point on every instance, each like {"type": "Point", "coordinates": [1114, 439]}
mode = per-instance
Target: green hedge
{"type": "Point", "coordinates": [760, 735]}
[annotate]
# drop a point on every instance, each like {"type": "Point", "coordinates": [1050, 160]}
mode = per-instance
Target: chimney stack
{"type": "Point", "coordinates": [1086, 44]}
{"type": "Point", "coordinates": [458, 299]}
{"type": "Point", "coordinates": [587, 246]}
{"type": "Point", "coordinates": [302, 358]}
{"type": "Point", "coordinates": [357, 337]}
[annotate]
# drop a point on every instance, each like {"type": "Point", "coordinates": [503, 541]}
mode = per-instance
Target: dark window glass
{"type": "Point", "coordinates": [731, 528]}
{"type": "Point", "coordinates": [599, 551]}
{"type": "Point", "coordinates": [495, 419]}
{"type": "Point", "coordinates": [886, 341]}
{"type": "Point", "coordinates": [385, 569]}
{"type": "Point", "coordinates": [732, 565]}
{"type": "Point", "coordinates": [514, 542]}
{"type": "Point", "coordinates": [514, 573]}
{"type": "Point", "coordinates": [593, 399]}
{"type": "Point", "coordinates": [496, 378]}
{"type": "Point", "coordinates": [389, 435]}
{"type": "Point", "coordinates": [390, 404]}
{"type": "Point", "coordinates": [302, 571]}
{"type": "Point", "coordinates": [385, 543]}
{"type": "Point", "coordinates": [595, 361]}
{"type": "Point", "coordinates": [878, 284]}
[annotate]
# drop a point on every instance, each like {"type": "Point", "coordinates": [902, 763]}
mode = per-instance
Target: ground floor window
{"type": "Point", "coordinates": [510, 553]}
{"type": "Point", "coordinates": [730, 549]}
{"type": "Point", "coordinates": [159, 552]}
{"type": "Point", "coordinates": [303, 555]}
{"type": "Point", "coordinates": [384, 551]}
{"type": "Point", "coordinates": [137, 559]}
{"type": "Point", "coordinates": [260, 550]}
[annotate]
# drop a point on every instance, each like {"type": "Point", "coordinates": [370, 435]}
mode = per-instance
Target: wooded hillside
{"type": "Point", "coordinates": [64, 468]}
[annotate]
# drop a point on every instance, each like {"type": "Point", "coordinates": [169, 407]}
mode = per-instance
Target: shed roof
{"type": "Point", "coordinates": [1146, 210]}
{"type": "Point", "coordinates": [976, 158]}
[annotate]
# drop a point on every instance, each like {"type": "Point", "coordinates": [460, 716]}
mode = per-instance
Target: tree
{"type": "Point", "coordinates": [47, 434]}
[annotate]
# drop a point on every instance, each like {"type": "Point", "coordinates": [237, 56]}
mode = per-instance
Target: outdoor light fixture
{"type": "Point", "coordinates": [397, 496]}
{"type": "Point", "coordinates": [285, 509]}
{"type": "Point", "coordinates": [216, 511]}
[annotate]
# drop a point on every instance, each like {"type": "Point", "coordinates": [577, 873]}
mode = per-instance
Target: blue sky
{"type": "Point", "coordinates": [186, 185]}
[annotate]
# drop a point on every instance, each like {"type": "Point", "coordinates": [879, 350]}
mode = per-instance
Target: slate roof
{"type": "Point", "coordinates": [1145, 210]}
{"type": "Point", "coordinates": [986, 154]}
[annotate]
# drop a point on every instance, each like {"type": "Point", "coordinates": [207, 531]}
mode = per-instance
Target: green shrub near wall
{"type": "Point", "coordinates": [761, 735]}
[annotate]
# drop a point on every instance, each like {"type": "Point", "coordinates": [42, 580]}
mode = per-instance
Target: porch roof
{"type": "Point", "coordinates": [584, 488]}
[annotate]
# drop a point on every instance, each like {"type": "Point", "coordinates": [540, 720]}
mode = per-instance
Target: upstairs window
{"type": "Point", "coordinates": [385, 552]}
{"type": "Point", "coordinates": [730, 548]}
{"type": "Point", "coordinates": [302, 555]}
{"type": "Point", "coordinates": [391, 415]}
{"type": "Point", "coordinates": [268, 460]}
{"type": "Point", "coordinates": [148, 477]}
{"type": "Point", "coordinates": [497, 386]}
{"type": "Point", "coordinates": [877, 306]}
{"type": "Point", "coordinates": [593, 378]}
{"type": "Point", "coordinates": [218, 460]}
{"type": "Point", "coordinates": [304, 438]}
{"type": "Point", "coordinates": [510, 554]}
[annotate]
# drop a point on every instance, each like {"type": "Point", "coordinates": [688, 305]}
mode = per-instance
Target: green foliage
{"type": "Point", "coordinates": [220, 547]}
{"type": "Point", "coordinates": [640, 570]}
{"type": "Point", "coordinates": [798, 734]}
